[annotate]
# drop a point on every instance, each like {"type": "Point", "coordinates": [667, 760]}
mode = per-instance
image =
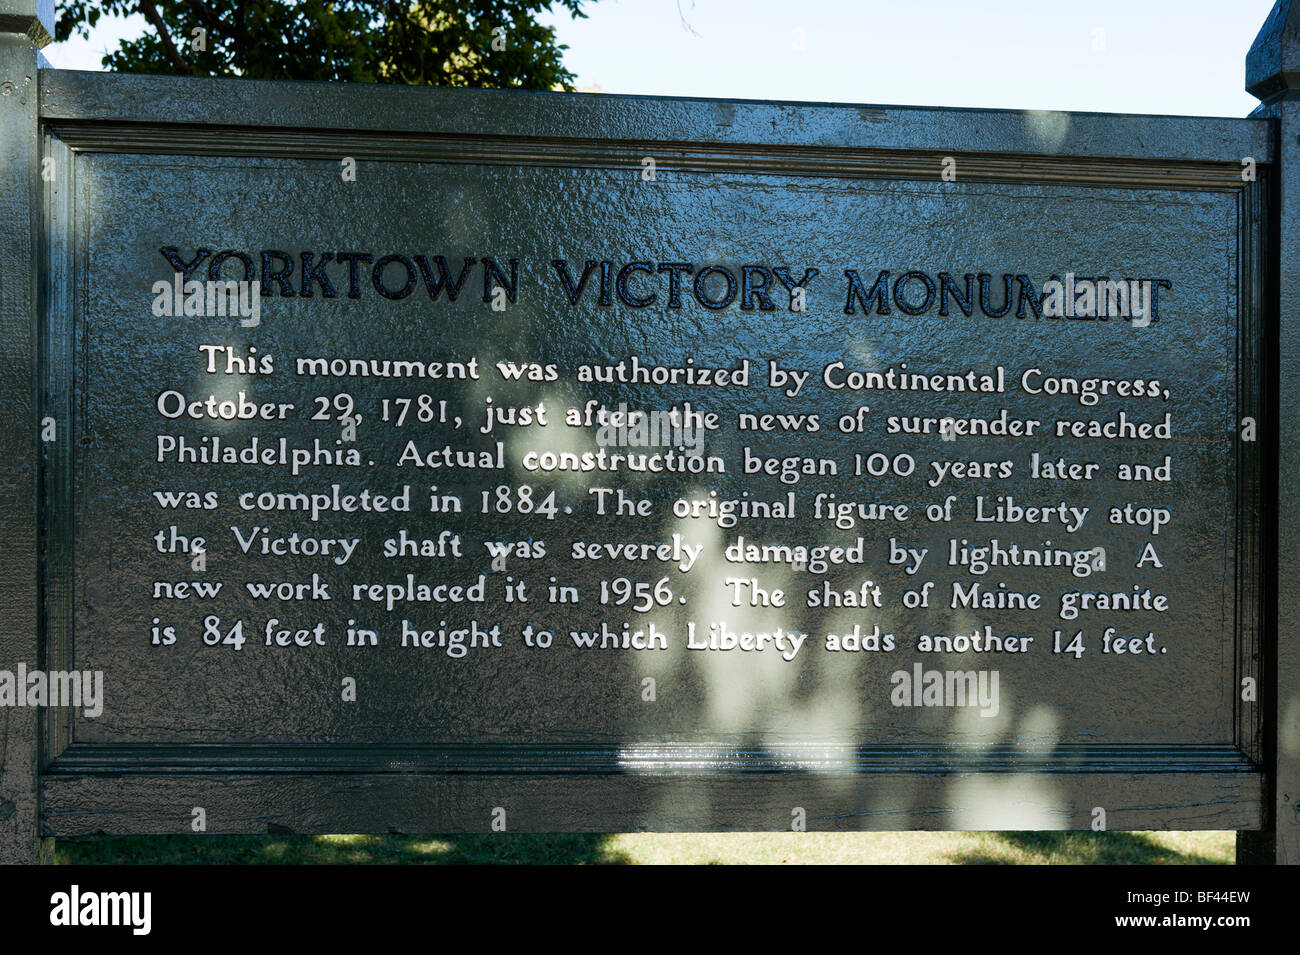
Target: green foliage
{"type": "Point", "coordinates": [655, 848]}
{"type": "Point", "coordinates": [434, 42]}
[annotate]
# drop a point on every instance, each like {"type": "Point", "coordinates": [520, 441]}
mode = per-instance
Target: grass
{"type": "Point", "coordinates": [879, 848]}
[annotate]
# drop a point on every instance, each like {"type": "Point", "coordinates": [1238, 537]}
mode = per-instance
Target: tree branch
{"type": "Point", "coordinates": [151, 14]}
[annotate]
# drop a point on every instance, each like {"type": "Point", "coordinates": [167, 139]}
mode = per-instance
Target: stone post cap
{"type": "Point", "coordinates": [1273, 63]}
{"type": "Point", "coordinates": [34, 18]}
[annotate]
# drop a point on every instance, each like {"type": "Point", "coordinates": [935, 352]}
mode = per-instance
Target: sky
{"type": "Point", "coordinates": [1182, 57]}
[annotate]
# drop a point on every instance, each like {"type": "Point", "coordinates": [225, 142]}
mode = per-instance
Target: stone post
{"type": "Point", "coordinates": [1273, 76]}
{"type": "Point", "coordinates": [25, 27]}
